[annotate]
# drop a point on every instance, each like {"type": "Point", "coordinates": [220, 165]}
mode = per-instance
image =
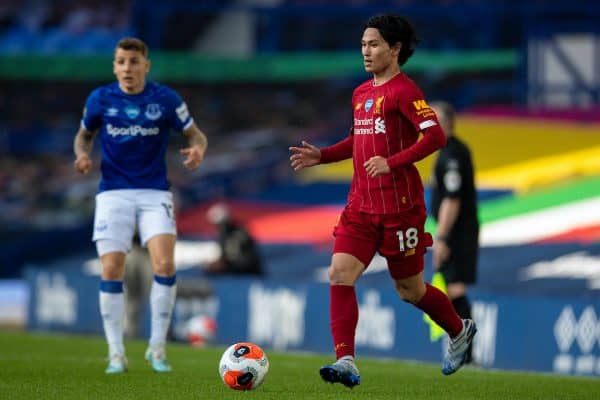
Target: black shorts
{"type": "Point", "coordinates": [461, 266]}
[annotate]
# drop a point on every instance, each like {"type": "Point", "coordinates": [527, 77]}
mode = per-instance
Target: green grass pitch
{"type": "Point", "coordinates": [50, 366]}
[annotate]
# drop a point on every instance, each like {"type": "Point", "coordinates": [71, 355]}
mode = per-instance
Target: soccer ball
{"type": "Point", "coordinates": [243, 366]}
{"type": "Point", "coordinates": [200, 330]}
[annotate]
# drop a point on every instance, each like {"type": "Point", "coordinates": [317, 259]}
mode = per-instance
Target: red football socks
{"type": "Point", "coordinates": [438, 306]}
{"type": "Point", "coordinates": [343, 312]}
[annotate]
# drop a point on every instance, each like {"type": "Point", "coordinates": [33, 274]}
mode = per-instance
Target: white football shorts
{"type": "Point", "coordinates": [119, 212]}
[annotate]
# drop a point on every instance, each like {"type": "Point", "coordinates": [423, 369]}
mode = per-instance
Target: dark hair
{"type": "Point", "coordinates": [395, 28]}
{"type": "Point", "coordinates": [133, 44]}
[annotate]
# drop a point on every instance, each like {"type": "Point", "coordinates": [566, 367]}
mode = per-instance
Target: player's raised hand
{"type": "Point", "coordinates": [376, 166]}
{"type": "Point", "coordinates": [83, 164]}
{"type": "Point", "coordinates": [193, 157]}
{"type": "Point", "coordinates": [305, 156]}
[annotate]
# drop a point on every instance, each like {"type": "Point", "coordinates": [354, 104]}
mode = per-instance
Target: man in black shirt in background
{"type": "Point", "coordinates": [454, 206]}
{"type": "Point", "coordinates": [239, 251]}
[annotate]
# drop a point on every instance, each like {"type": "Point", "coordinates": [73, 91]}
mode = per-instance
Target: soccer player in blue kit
{"type": "Point", "coordinates": [134, 117]}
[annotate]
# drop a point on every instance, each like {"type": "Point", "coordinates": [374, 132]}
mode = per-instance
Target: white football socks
{"type": "Point", "coordinates": [112, 309]}
{"type": "Point", "coordinates": [162, 301]}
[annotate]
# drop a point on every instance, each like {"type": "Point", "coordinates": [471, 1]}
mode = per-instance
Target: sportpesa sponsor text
{"type": "Point", "coordinates": [133, 130]}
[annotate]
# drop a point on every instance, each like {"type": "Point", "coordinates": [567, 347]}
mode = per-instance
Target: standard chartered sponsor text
{"type": "Point", "coordinates": [363, 122]}
{"type": "Point", "coordinates": [367, 123]}
{"type": "Point", "coordinates": [133, 130]}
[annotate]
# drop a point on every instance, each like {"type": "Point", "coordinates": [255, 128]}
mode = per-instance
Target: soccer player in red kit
{"type": "Point", "coordinates": [385, 212]}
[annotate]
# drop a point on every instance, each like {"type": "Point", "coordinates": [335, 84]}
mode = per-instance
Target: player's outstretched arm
{"type": "Point", "coordinates": [82, 147]}
{"type": "Point", "coordinates": [194, 154]}
{"type": "Point", "coordinates": [305, 156]}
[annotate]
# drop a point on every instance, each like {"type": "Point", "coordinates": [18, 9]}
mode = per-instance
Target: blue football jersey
{"type": "Point", "coordinates": [134, 133]}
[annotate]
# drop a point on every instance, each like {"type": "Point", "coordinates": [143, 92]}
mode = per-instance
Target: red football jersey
{"type": "Point", "coordinates": [387, 120]}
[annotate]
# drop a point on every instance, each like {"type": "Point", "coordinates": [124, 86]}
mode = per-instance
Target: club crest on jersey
{"type": "Point", "coordinates": [378, 103]}
{"type": "Point", "coordinates": [132, 111]}
{"type": "Point", "coordinates": [368, 105]}
{"type": "Point", "coordinates": [153, 112]}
